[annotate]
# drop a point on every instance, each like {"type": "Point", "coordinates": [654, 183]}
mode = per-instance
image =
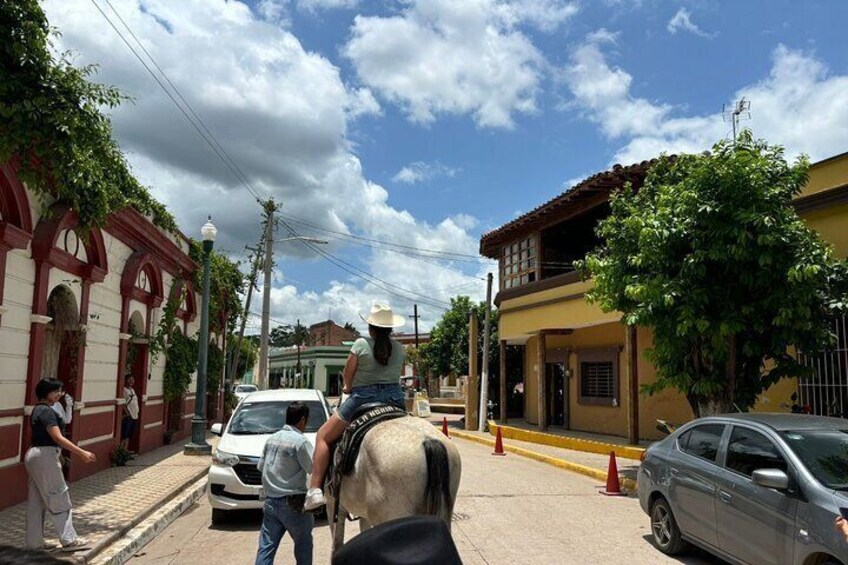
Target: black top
{"type": "Point", "coordinates": [43, 417]}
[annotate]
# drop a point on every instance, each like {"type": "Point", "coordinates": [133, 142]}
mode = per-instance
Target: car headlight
{"type": "Point", "coordinates": [224, 459]}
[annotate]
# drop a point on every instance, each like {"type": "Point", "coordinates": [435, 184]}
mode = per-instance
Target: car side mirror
{"type": "Point", "coordinates": [217, 429]}
{"type": "Point", "coordinates": [771, 478]}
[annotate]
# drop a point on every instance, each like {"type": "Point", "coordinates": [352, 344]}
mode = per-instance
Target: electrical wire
{"type": "Point", "coordinates": [209, 142]}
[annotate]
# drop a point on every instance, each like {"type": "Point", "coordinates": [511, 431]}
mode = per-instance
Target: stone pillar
{"type": "Point", "coordinates": [541, 360]}
{"type": "Point", "coordinates": [472, 394]}
{"type": "Point", "coordinates": [502, 373]}
{"type": "Point", "coordinates": [631, 372]}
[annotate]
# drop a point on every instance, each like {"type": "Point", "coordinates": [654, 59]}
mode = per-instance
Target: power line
{"type": "Point", "coordinates": [366, 276]}
{"type": "Point", "coordinates": [383, 242]}
{"type": "Point", "coordinates": [215, 145]}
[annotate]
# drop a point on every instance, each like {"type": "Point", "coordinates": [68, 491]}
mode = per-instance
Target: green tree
{"type": "Point", "coordinates": [52, 127]}
{"type": "Point", "coordinates": [712, 256]}
{"type": "Point", "coordinates": [447, 351]}
{"type": "Point", "coordinates": [289, 335]}
{"type": "Point", "coordinates": [350, 327]}
{"type": "Point", "coordinates": [248, 357]}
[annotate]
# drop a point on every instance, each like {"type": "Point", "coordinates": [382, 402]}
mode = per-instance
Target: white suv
{"type": "Point", "coordinates": [234, 481]}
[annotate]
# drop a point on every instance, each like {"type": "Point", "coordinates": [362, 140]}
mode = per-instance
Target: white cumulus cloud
{"type": "Point", "coordinates": [442, 57]}
{"type": "Point", "coordinates": [682, 21]}
{"type": "Point", "coordinates": [419, 172]}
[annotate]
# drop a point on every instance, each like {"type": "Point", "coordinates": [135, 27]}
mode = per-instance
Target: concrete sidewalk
{"type": "Point", "coordinates": [110, 503]}
{"type": "Point", "coordinates": [593, 465]}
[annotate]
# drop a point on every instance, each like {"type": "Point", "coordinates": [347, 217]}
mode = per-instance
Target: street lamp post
{"type": "Point", "coordinates": [198, 445]}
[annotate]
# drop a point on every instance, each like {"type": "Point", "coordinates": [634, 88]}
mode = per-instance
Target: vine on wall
{"type": "Point", "coordinates": [53, 127]}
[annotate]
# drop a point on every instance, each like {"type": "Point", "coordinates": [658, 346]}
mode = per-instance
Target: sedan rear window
{"type": "Point", "coordinates": [702, 441]}
{"type": "Point", "coordinates": [254, 418]}
{"type": "Point", "coordinates": [824, 453]}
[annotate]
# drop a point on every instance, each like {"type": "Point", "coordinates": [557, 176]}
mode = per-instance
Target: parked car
{"type": "Point", "coordinates": [242, 391]}
{"type": "Point", "coordinates": [751, 488]}
{"type": "Point", "coordinates": [234, 481]}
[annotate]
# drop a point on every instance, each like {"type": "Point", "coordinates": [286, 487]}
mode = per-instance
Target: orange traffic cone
{"type": "Point", "coordinates": [613, 487]}
{"type": "Point", "coordinates": [498, 444]}
{"type": "Point", "coordinates": [445, 427]}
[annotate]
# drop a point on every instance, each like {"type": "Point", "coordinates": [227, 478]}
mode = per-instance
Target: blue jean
{"type": "Point", "coordinates": [361, 395]}
{"type": "Point", "coordinates": [277, 519]}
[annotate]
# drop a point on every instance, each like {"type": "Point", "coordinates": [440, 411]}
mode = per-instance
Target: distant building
{"type": "Point", "coordinates": [318, 367]}
{"type": "Point", "coordinates": [330, 333]}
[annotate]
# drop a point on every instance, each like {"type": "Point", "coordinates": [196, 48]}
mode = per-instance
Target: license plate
{"type": "Point", "coordinates": [262, 494]}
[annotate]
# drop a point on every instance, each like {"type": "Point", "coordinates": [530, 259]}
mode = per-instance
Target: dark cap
{"type": "Point", "coordinates": [414, 540]}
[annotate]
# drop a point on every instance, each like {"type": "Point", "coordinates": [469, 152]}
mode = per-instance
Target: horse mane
{"type": "Point", "coordinates": [438, 498]}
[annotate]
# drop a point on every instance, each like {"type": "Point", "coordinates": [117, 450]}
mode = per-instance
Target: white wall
{"type": "Point", "coordinates": [15, 328]}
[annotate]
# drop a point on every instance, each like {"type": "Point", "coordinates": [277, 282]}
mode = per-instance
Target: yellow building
{"type": "Point", "coordinates": [593, 366]}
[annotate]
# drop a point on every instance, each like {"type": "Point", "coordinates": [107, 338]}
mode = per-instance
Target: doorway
{"type": "Point", "coordinates": [137, 354]}
{"type": "Point", "coordinates": [556, 383]}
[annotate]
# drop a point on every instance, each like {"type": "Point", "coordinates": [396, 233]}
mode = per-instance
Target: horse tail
{"type": "Point", "coordinates": [437, 490]}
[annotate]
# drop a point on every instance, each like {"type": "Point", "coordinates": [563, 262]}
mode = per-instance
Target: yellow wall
{"type": "Point", "coordinates": [832, 226]}
{"type": "Point", "coordinates": [570, 311]}
{"type": "Point", "coordinates": [594, 328]}
{"type": "Point", "coordinates": [826, 174]}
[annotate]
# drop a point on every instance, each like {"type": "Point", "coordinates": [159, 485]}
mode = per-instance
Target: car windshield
{"type": "Point", "coordinates": [246, 388]}
{"type": "Point", "coordinates": [824, 453]}
{"type": "Point", "coordinates": [253, 418]}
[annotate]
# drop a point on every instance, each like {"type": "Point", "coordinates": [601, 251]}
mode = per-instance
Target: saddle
{"type": "Point", "coordinates": [346, 450]}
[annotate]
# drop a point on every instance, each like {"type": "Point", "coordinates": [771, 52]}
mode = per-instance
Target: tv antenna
{"type": "Point", "coordinates": [741, 110]}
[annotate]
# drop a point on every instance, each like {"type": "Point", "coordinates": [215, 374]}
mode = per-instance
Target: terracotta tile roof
{"type": "Point", "coordinates": [597, 187]}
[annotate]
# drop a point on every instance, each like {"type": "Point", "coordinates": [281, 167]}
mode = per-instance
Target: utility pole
{"type": "Point", "coordinates": [484, 378]}
{"type": "Point", "coordinates": [270, 208]}
{"type": "Point", "coordinates": [297, 344]}
{"type": "Point", "coordinates": [257, 257]}
{"type": "Point", "coordinates": [415, 365]}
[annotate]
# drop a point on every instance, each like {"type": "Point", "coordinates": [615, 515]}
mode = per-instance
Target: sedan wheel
{"type": "Point", "coordinates": [664, 529]}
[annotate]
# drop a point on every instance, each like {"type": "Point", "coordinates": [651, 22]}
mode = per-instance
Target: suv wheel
{"type": "Point", "coordinates": [218, 516]}
{"type": "Point", "coordinates": [664, 529]}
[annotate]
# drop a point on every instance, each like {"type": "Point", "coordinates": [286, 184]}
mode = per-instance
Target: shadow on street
{"type": "Point", "coordinates": [692, 556]}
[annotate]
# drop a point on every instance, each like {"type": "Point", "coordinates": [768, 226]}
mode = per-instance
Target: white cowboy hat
{"type": "Point", "coordinates": [381, 315]}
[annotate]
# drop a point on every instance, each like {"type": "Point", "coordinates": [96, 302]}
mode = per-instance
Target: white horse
{"type": "Point", "coordinates": [405, 467]}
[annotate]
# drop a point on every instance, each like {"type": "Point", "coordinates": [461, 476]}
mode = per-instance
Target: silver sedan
{"type": "Point", "coordinates": [751, 488]}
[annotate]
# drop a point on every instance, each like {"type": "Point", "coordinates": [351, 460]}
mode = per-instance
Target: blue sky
{"type": "Point", "coordinates": [425, 124]}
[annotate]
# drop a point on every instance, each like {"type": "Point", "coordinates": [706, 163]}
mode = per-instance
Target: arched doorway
{"type": "Point", "coordinates": [137, 367]}
{"type": "Point", "coordinates": [61, 353]}
{"type": "Point", "coordinates": [63, 341]}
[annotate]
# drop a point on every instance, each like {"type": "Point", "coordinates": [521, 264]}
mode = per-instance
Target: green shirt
{"type": "Point", "coordinates": [369, 371]}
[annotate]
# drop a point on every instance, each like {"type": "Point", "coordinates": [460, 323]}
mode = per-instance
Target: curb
{"type": "Point", "coordinates": [575, 444]}
{"type": "Point", "coordinates": [102, 545]}
{"type": "Point", "coordinates": [599, 474]}
{"type": "Point", "coordinates": [147, 529]}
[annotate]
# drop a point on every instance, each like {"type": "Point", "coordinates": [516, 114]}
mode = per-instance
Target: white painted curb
{"type": "Point", "coordinates": [142, 534]}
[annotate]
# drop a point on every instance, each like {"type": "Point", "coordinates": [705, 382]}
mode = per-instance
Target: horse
{"type": "Point", "coordinates": [405, 467]}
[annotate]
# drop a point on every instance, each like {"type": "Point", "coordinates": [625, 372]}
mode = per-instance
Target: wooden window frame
{"type": "Point", "coordinates": [600, 355]}
{"type": "Point", "coordinates": [519, 259]}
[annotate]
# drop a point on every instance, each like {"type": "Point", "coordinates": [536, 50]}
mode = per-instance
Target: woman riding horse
{"type": "Point", "coordinates": [371, 374]}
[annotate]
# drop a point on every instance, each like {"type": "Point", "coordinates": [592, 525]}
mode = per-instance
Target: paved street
{"type": "Point", "coordinates": [510, 510]}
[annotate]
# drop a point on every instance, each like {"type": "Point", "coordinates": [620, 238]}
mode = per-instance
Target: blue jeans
{"type": "Point", "coordinates": [277, 519]}
{"type": "Point", "coordinates": [361, 395]}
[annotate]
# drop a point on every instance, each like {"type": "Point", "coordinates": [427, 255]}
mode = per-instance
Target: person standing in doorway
{"type": "Point", "coordinates": [130, 411]}
{"type": "Point", "coordinates": [48, 492]}
{"type": "Point", "coordinates": [285, 462]}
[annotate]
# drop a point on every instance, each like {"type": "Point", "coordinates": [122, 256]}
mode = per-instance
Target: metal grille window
{"type": "Point", "coordinates": [518, 263]}
{"type": "Point", "coordinates": [825, 392]}
{"type": "Point", "coordinates": [598, 377]}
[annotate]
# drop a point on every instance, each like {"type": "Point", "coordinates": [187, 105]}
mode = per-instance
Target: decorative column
{"type": "Point", "coordinates": [541, 360]}
{"type": "Point", "coordinates": [631, 371]}
{"type": "Point", "coordinates": [502, 371]}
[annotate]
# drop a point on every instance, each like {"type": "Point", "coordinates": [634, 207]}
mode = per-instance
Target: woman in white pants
{"type": "Point", "coordinates": [48, 492]}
